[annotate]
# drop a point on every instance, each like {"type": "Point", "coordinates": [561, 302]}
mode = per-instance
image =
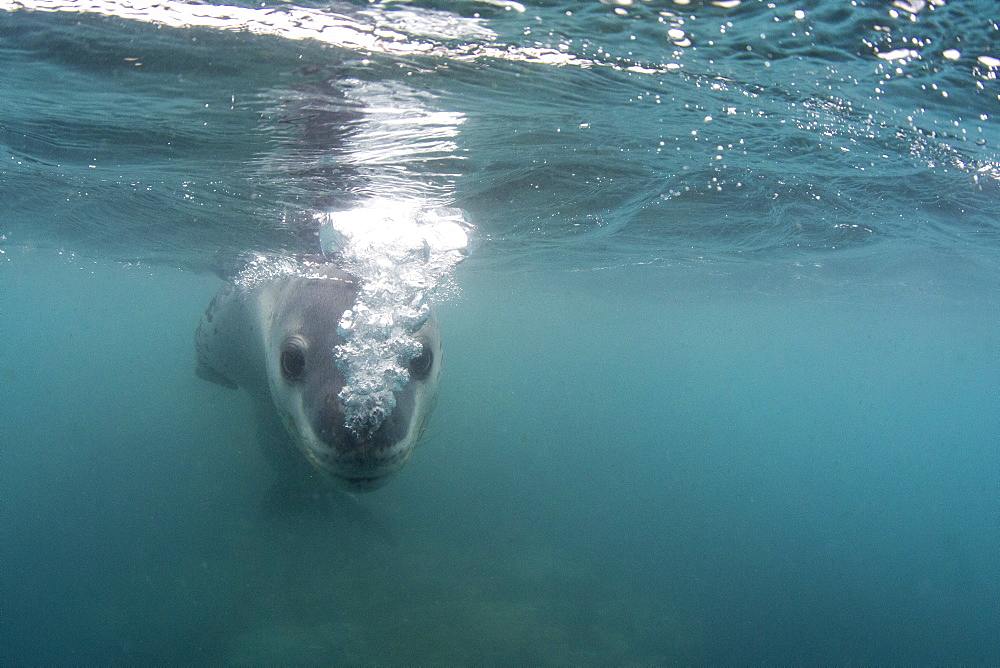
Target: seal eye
{"type": "Point", "coordinates": [420, 366]}
{"type": "Point", "coordinates": [293, 360]}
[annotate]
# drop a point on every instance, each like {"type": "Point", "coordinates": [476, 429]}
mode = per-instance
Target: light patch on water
{"type": "Point", "coordinates": [372, 31]}
{"type": "Point", "coordinates": [402, 133]}
{"type": "Point", "coordinates": [290, 22]}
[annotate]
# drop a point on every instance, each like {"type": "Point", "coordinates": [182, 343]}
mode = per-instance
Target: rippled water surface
{"type": "Point", "coordinates": [720, 382]}
{"type": "Point", "coordinates": [621, 130]}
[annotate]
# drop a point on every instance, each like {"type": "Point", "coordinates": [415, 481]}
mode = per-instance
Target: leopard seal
{"type": "Point", "coordinates": [278, 340]}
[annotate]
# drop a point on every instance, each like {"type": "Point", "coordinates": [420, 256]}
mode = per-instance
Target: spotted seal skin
{"type": "Point", "coordinates": [277, 340]}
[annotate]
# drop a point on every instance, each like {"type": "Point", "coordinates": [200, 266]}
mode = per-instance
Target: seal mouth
{"type": "Point", "coordinates": [358, 472]}
{"type": "Point", "coordinates": [364, 484]}
{"type": "Point", "coordinates": [360, 467]}
{"type": "Point", "coordinates": [350, 479]}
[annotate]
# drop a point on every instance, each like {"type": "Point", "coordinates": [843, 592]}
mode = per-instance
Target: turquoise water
{"type": "Point", "coordinates": [700, 405]}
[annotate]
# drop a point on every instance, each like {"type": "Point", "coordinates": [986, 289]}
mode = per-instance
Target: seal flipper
{"type": "Point", "coordinates": [211, 375]}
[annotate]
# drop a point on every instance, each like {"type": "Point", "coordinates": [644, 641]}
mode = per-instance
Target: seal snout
{"type": "Point", "coordinates": [357, 462]}
{"type": "Point", "coordinates": [331, 429]}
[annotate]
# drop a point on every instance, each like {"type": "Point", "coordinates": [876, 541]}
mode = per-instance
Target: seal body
{"type": "Point", "coordinates": [278, 341]}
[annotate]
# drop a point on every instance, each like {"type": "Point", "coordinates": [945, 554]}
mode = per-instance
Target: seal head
{"type": "Point", "coordinates": [297, 371]}
{"type": "Point", "coordinates": [306, 383]}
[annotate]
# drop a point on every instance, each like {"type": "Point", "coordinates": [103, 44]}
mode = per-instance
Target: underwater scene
{"type": "Point", "coordinates": [683, 315]}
